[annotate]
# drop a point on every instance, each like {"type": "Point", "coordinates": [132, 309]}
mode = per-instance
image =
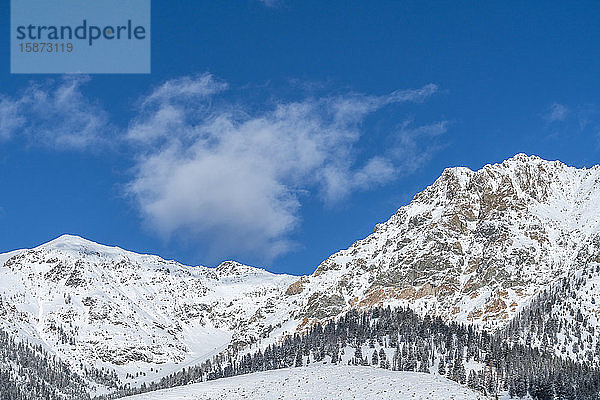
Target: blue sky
{"type": "Point", "coordinates": [278, 132]}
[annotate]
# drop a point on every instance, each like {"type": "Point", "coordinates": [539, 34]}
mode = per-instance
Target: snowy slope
{"type": "Point", "coordinates": [564, 319]}
{"type": "Point", "coordinates": [321, 382]}
{"type": "Point", "coordinates": [139, 315]}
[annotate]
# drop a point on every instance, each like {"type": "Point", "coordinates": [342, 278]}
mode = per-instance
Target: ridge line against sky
{"type": "Point", "coordinates": [276, 132]}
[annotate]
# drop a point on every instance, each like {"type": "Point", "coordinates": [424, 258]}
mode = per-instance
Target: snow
{"type": "Point", "coordinates": [6, 256]}
{"type": "Point", "coordinates": [321, 382]}
{"type": "Point", "coordinates": [138, 315]}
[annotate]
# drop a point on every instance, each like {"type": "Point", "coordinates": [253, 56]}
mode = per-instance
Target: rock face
{"type": "Point", "coordinates": [475, 246]}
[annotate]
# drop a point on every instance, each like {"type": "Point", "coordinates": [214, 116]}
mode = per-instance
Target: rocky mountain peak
{"type": "Point", "coordinates": [474, 246]}
{"type": "Point", "coordinates": [233, 268]}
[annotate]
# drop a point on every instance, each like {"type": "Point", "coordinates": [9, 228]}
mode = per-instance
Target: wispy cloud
{"type": "Point", "coordinates": [415, 145]}
{"type": "Point", "coordinates": [202, 85]}
{"type": "Point", "coordinates": [586, 115]}
{"type": "Point", "coordinates": [572, 119]}
{"type": "Point", "coordinates": [10, 119]}
{"type": "Point", "coordinates": [556, 113]}
{"type": "Point", "coordinates": [55, 114]}
{"type": "Point", "coordinates": [223, 174]}
{"type": "Point", "coordinates": [271, 3]}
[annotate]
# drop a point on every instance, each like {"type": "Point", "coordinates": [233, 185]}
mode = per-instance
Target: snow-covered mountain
{"type": "Point", "coordinates": [475, 246]}
{"type": "Point", "coordinates": [513, 247]}
{"type": "Point", "coordinates": [325, 382]}
{"type": "Point", "coordinates": [138, 315]}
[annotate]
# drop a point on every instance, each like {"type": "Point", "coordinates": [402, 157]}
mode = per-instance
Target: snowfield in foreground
{"type": "Point", "coordinates": [320, 382]}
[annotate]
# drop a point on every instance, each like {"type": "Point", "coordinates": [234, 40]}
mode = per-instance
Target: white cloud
{"type": "Point", "coordinates": [55, 114]}
{"type": "Point", "coordinates": [214, 172]}
{"type": "Point", "coordinates": [271, 3]}
{"type": "Point", "coordinates": [10, 120]}
{"type": "Point", "coordinates": [172, 108]}
{"type": "Point", "coordinates": [556, 113]}
{"type": "Point", "coordinates": [202, 85]}
{"type": "Point", "coordinates": [414, 146]}
{"type": "Point", "coordinates": [586, 116]}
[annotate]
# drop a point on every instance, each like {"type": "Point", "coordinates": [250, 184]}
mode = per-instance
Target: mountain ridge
{"type": "Point", "coordinates": [131, 313]}
{"type": "Point", "coordinates": [475, 247]}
